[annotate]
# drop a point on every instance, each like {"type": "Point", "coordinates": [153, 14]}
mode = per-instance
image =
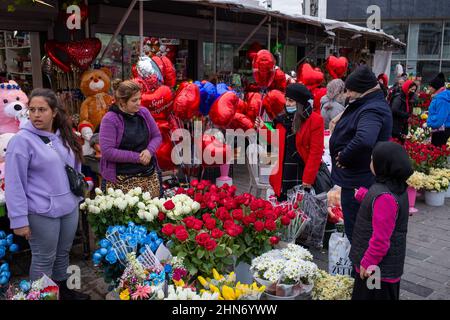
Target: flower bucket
{"type": "Point", "coordinates": [434, 198]}
{"type": "Point", "coordinates": [447, 195]}
{"type": "Point", "coordinates": [243, 273]}
{"type": "Point", "coordinates": [412, 195]}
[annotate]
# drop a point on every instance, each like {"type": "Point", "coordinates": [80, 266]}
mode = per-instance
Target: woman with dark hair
{"type": "Point", "coordinates": [301, 143]}
{"type": "Point", "coordinates": [41, 205]}
{"type": "Point", "coordinates": [379, 235]}
{"type": "Point", "coordinates": [129, 139]}
{"type": "Point", "coordinates": [402, 107]}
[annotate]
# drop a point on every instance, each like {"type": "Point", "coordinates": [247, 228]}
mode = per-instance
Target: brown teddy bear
{"type": "Point", "coordinates": [95, 85]}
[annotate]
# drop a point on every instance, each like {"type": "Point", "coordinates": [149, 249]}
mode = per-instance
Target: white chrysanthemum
{"type": "Point", "coordinates": [195, 206]}
{"type": "Point", "coordinates": [98, 191]}
{"type": "Point", "coordinates": [141, 214]}
{"type": "Point", "coordinates": [110, 191]}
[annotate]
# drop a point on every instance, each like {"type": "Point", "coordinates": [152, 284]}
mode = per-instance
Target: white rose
{"type": "Point", "coordinates": [91, 209]}
{"type": "Point", "coordinates": [138, 191]}
{"type": "Point", "coordinates": [141, 205]}
{"type": "Point", "coordinates": [195, 206]}
{"type": "Point", "coordinates": [141, 214]}
{"type": "Point", "coordinates": [98, 191]}
{"type": "Point", "coordinates": [171, 296]}
{"type": "Point", "coordinates": [111, 191]}
{"type": "Point", "coordinates": [97, 210]}
{"type": "Point", "coordinates": [186, 210]}
{"type": "Point", "coordinates": [122, 205]}
{"type": "Point", "coordinates": [109, 205]}
{"type": "Point", "coordinates": [148, 216]}
{"type": "Point", "coordinates": [88, 201]}
{"type": "Point", "coordinates": [153, 210]}
{"type": "Point", "coordinates": [83, 206]}
{"type": "Point", "coordinates": [146, 196]}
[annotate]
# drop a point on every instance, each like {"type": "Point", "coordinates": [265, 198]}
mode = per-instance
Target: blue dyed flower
{"type": "Point", "coordinates": [122, 229]}
{"type": "Point", "coordinates": [159, 242]}
{"type": "Point", "coordinates": [4, 267]}
{"type": "Point", "coordinates": [3, 281]}
{"type": "Point", "coordinates": [168, 268]}
{"type": "Point", "coordinates": [111, 257]}
{"type": "Point", "coordinates": [2, 252]}
{"type": "Point", "coordinates": [153, 247]}
{"type": "Point", "coordinates": [153, 235]}
{"type": "Point", "coordinates": [5, 274]}
{"type": "Point", "coordinates": [103, 251]}
{"type": "Point", "coordinates": [25, 286]}
{"type": "Point", "coordinates": [3, 243]}
{"type": "Point", "coordinates": [13, 248]}
{"type": "Point", "coordinates": [104, 243]}
{"type": "Point", "coordinates": [2, 235]}
{"type": "Point", "coordinates": [132, 242]}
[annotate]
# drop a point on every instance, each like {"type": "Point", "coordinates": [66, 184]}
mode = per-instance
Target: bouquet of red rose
{"type": "Point", "coordinates": [425, 156]}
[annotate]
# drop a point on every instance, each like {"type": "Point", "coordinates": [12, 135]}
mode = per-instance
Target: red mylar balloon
{"type": "Point", "coordinates": [187, 101]}
{"type": "Point", "coordinates": [264, 68]}
{"type": "Point", "coordinates": [254, 104]}
{"type": "Point", "coordinates": [83, 52]}
{"type": "Point", "coordinates": [167, 70]}
{"type": "Point", "coordinates": [310, 77]}
{"type": "Point", "coordinates": [279, 81]}
{"type": "Point", "coordinates": [164, 152]}
{"type": "Point", "coordinates": [214, 151]}
{"type": "Point", "coordinates": [241, 121]}
{"type": "Point", "coordinates": [274, 103]}
{"type": "Point", "coordinates": [318, 93]}
{"type": "Point", "coordinates": [337, 67]}
{"type": "Point", "coordinates": [223, 109]}
{"type": "Point", "coordinates": [53, 49]}
{"type": "Point", "coordinates": [134, 71]}
{"type": "Point", "coordinates": [253, 50]}
{"type": "Point", "coordinates": [242, 106]}
{"type": "Point", "coordinates": [159, 101]}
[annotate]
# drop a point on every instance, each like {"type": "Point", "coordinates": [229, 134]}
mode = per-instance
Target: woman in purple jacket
{"type": "Point", "coordinates": [129, 139]}
{"type": "Point", "coordinates": [41, 206]}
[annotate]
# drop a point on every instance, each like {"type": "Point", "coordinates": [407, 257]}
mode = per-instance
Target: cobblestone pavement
{"type": "Point", "coordinates": [427, 266]}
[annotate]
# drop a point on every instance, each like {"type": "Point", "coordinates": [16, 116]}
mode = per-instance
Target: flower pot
{"type": "Point", "coordinates": [412, 194]}
{"type": "Point", "coordinates": [243, 273]}
{"type": "Point", "coordinates": [447, 194]}
{"type": "Point", "coordinates": [434, 198]}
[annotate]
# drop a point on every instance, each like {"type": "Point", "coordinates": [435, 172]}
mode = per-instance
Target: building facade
{"type": "Point", "coordinates": [423, 25]}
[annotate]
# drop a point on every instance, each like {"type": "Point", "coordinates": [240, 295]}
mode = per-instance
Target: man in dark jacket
{"type": "Point", "coordinates": [402, 107]}
{"type": "Point", "coordinates": [366, 121]}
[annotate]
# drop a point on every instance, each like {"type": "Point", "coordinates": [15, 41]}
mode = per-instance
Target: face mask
{"type": "Point", "coordinates": [291, 110]}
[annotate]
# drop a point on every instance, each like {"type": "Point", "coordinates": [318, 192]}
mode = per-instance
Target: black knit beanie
{"type": "Point", "coordinates": [438, 82]}
{"type": "Point", "coordinates": [361, 80]}
{"type": "Point", "coordinates": [299, 93]}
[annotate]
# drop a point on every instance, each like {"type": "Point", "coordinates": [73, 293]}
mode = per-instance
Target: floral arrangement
{"type": "Point", "coordinates": [424, 100]}
{"type": "Point", "coordinates": [285, 272]}
{"type": "Point", "coordinates": [328, 287]}
{"type": "Point", "coordinates": [187, 293]}
{"type": "Point", "coordinates": [419, 134]}
{"type": "Point", "coordinates": [436, 182]}
{"type": "Point", "coordinates": [2, 203]}
{"type": "Point", "coordinates": [108, 255]}
{"type": "Point", "coordinates": [227, 228]}
{"type": "Point", "coordinates": [42, 289]}
{"type": "Point", "coordinates": [417, 180]}
{"type": "Point", "coordinates": [5, 275]}
{"type": "Point", "coordinates": [425, 156]}
{"type": "Point", "coordinates": [117, 208]}
{"type": "Point", "coordinates": [227, 289]}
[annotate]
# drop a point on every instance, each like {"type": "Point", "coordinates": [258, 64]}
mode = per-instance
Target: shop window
{"type": "Point", "coordinates": [225, 58]}
{"type": "Point", "coordinates": [430, 40]}
{"type": "Point", "coordinates": [427, 69]}
{"type": "Point", "coordinates": [400, 31]}
{"type": "Point", "coordinates": [446, 53]}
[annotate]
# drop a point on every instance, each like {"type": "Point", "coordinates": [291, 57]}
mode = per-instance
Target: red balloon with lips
{"type": "Point", "coordinates": [264, 68]}
{"type": "Point", "coordinates": [159, 101]}
{"type": "Point", "coordinates": [311, 78]}
{"type": "Point", "coordinates": [224, 109]}
{"type": "Point", "coordinates": [254, 104]}
{"type": "Point", "coordinates": [279, 81]}
{"type": "Point", "coordinates": [187, 102]}
{"type": "Point", "coordinates": [274, 103]}
{"type": "Point", "coordinates": [337, 67]}
{"type": "Point", "coordinates": [241, 121]}
{"type": "Point", "coordinates": [214, 151]}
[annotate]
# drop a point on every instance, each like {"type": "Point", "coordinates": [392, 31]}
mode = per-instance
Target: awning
{"type": "Point", "coordinates": [253, 6]}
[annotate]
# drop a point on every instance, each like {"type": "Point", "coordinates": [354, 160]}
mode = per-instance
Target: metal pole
{"type": "Point", "coordinates": [286, 44]}
{"type": "Point", "coordinates": [252, 33]}
{"type": "Point", "coordinates": [119, 28]}
{"type": "Point", "coordinates": [215, 42]}
{"type": "Point", "coordinates": [141, 27]}
{"type": "Point", "coordinates": [269, 35]}
{"type": "Point", "coordinates": [442, 47]}
{"type": "Point", "coordinates": [86, 24]}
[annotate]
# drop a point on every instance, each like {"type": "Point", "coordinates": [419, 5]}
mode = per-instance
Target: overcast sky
{"type": "Point", "coordinates": [289, 6]}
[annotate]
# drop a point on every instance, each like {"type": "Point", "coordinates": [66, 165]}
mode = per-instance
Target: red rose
{"type": "Point", "coordinates": [232, 190]}
{"type": "Point", "coordinates": [246, 220]}
{"type": "Point", "coordinates": [202, 238]}
{"type": "Point", "coordinates": [217, 233]}
{"type": "Point", "coordinates": [259, 226]}
{"type": "Point", "coordinates": [200, 186]}
{"type": "Point", "coordinates": [194, 183]}
{"type": "Point", "coordinates": [189, 222]}
{"type": "Point", "coordinates": [181, 234]}
{"type": "Point", "coordinates": [252, 217]}
{"type": "Point", "coordinates": [168, 229]}
{"type": "Point", "coordinates": [270, 225]}
{"type": "Point", "coordinates": [291, 215]}
{"type": "Point", "coordinates": [198, 197]}
{"type": "Point", "coordinates": [230, 204]}
{"type": "Point", "coordinates": [169, 205]}
{"type": "Point", "coordinates": [285, 221]}
{"type": "Point", "coordinates": [270, 215]}
{"type": "Point", "coordinates": [190, 192]}
{"type": "Point", "coordinates": [161, 216]}
{"type": "Point", "coordinates": [238, 214]}
{"type": "Point", "coordinates": [210, 224]}
{"type": "Point", "coordinates": [211, 205]}
{"type": "Point", "coordinates": [211, 245]}
{"type": "Point", "coordinates": [213, 188]}
{"type": "Point", "coordinates": [228, 224]}
{"type": "Point", "coordinates": [274, 240]}
{"type": "Point", "coordinates": [198, 224]}
{"type": "Point", "coordinates": [180, 191]}
{"type": "Point", "coordinates": [254, 206]}
{"type": "Point", "coordinates": [260, 214]}
{"type": "Point", "coordinates": [206, 216]}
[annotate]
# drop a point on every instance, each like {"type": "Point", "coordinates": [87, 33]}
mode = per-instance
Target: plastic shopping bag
{"type": "Point", "coordinates": [315, 208]}
{"type": "Point", "coordinates": [338, 255]}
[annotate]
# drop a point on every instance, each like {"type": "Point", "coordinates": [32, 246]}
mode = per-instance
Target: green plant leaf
{"type": "Point", "coordinates": [200, 253]}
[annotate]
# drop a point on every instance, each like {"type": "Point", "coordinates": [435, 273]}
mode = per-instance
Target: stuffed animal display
{"type": "Point", "coordinates": [13, 107]}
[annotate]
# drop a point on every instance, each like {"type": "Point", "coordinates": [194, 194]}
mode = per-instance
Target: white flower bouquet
{"type": "Point", "coordinates": [328, 287]}
{"type": "Point", "coordinates": [187, 293]}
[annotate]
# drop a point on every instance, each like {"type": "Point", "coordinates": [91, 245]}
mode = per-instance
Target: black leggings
{"type": "Point", "coordinates": [388, 291]}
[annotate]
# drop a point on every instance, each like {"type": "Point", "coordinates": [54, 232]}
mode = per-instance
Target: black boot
{"type": "Point", "coordinates": [67, 294]}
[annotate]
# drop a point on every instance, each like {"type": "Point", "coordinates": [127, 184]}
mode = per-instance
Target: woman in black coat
{"type": "Point", "coordinates": [402, 105]}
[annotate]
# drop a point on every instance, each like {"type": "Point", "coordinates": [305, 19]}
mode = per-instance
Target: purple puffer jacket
{"type": "Point", "coordinates": [111, 133]}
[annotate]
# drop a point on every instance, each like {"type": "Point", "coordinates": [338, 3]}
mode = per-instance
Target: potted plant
{"type": "Point", "coordinates": [415, 183]}
{"type": "Point", "coordinates": [436, 186]}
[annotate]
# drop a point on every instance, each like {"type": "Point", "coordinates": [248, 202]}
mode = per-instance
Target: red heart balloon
{"type": "Point", "coordinates": [242, 106]}
{"type": "Point", "coordinates": [311, 78]}
{"type": "Point", "coordinates": [214, 151]}
{"type": "Point", "coordinates": [224, 109]}
{"type": "Point", "coordinates": [83, 52]}
{"type": "Point", "coordinates": [264, 68]}
{"type": "Point", "coordinates": [159, 101]}
{"type": "Point", "coordinates": [253, 50]}
{"type": "Point", "coordinates": [167, 70]}
{"type": "Point", "coordinates": [241, 121]}
{"type": "Point", "coordinates": [187, 102]}
{"type": "Point", "coordinates": [274, 103]}
{"type": "Point", "coordinates": [337, 67]}
{"type": "Point", "coordinates": [254, 104]}
{"type": "Point", "coordinates": [53, 49]}
{"type": "Point", "coordinates": [279, 81]}
{"type": "Point", "coordinates": [318, 93]}
{"type": "Point", "coordinates": [164, 152]}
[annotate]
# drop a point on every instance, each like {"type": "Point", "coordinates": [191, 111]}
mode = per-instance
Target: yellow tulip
{"type": "Point", "coordinates": [125, 295]}
{"type": "Point", "coordinates": [217, 276]}
{"type": "Point", "coordinates": [220, 298]}
{"type": "Point", "coordinates": [239, 293]}
{"type": "Point", "coordinates": [214, 289]}
{"type": "Point", "coordinates": [179, 283]}
{"type": "Point", "coordinates": [228, 293]}
{"type": "Point", "coordinates": [203, 282]}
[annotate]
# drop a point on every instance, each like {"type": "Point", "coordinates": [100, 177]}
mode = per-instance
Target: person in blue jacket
{"type": "Point", "coordinates": [439, 112]}
{"type": "Point", "coordinates": [366, 120]}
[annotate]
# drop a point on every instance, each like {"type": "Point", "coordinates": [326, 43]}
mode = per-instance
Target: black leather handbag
{"type": "Point", "coordinates": [77, 184]}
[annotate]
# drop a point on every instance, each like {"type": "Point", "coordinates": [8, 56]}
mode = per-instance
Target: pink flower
{"type": "Point", "coordinates": [141, 293]}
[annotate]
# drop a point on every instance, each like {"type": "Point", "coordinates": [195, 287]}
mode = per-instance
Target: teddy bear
{"type": "Point", "coordinates": [95, 85]}
{"type": "Point", "coordinates": [4, 140]}
{"type": "Point", "coordinates": [13, 107]}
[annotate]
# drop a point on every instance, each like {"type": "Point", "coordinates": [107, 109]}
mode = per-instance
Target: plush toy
{"type": "Point", "coordinates": [4, 140]}
{"type": "Point", "coordinates": [87, 131]}
{"type": "Point", "coordinates": [13, 107]}
{"type": "Point", "coordinates": [95, 85]}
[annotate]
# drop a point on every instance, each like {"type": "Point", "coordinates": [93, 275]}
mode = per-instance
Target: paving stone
{"type": "Point", "coordinates": [417, 289]}
{"type": "Point", "coordinates": [427, 274]}
{"type": "Point", "coordinates": [416, 255]}
{"type": "Point", "coordinates": [414, 278]}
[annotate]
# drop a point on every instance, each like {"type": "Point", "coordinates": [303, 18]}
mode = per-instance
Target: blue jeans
{"type": "Point", "coordinates": [50, 242]}
{"type": "Point", "coordinates": [350, 208]}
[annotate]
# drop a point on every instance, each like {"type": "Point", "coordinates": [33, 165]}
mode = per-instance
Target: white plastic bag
{"type": "Point", "coordinates": [338, 255]}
